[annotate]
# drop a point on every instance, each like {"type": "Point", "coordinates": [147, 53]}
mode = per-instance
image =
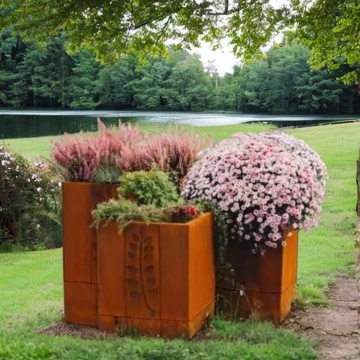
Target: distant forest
{"type": "Point", "coordinates": [280, 82]}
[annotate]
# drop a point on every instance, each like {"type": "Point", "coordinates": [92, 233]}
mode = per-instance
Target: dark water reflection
{"type": "Point", "coordinates": [33, 123]}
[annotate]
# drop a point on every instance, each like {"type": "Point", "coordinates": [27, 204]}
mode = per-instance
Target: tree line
{"type": "Point", "coordinates": [279, 82]}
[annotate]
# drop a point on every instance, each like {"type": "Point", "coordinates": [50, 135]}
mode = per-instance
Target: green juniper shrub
{"type": "Point", "coordinates": [147, 196]}
{"type": "Point", "coordinates": [148, 187]}
{"type": "Point", "coordinates": [30, 214]}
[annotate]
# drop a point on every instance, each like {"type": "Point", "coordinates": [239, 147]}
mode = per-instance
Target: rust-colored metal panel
{"type": "Point", "coordinates": [261, 305]}
{"type": "Point", "coordinates": [142, 271]}
{"type": "Point", "coordinates": [268, 281]}
{"type": "Point", "coordinates": [201, 261]}
{"type": "Point", "coordinates": [111, 271]}
{"type": "Point", "coordinates": [79, 238]}
{"type": "Point", "coordinates": [174, 271]}
{"type": "Point", "coordinates": [80, 303]}
{"type": "Point", "coordinates": [79, 248]}
{"type": "Point", "coordinates": [155, 277]}
{"type": "Point", "coordinates": [157, 327]}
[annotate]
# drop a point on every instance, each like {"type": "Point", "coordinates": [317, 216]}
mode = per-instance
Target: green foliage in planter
{"type": "Point", "coordinates": [147, 196]}
{"type": "Point", "coordinates": [148, 187]}
{"type": "Point", "coordinates": [124, 211]}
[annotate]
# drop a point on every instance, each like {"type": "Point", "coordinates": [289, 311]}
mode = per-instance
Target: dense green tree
{"type": "Point", "coordinates": [84, 82]}
{"type": "Point", "coordinates": [58, 69]}
{"type": "Point", "coordinates": [12, 50]}
{"type": "Point", "coordinates": [116, 83]}
{"type": "Point", "coordinates": [329, 27]}
{"type": "Point", "coordinates": [318, 92]}
{"type": "Point", "coordinates": [188, 85]}
{"type": "Point", "coordinates": [254, 80]}
{"type": "Point", "coordinates": [285, 64]}
{"type": "Point", "coordinates": [32, 76]}
{"type": "Point", "coordinates": [281, 81]}
{"type": "Point", "coordinates": [224, 93]}
{"type": "Point", "coordinates": [150, 88]}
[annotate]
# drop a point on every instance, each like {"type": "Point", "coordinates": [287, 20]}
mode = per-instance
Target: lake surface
{"type": "Point", "coordinates": [33, 123]}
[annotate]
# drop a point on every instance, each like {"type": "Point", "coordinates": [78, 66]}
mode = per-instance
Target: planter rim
{"type": "Point", "coordinates": [87, 182]}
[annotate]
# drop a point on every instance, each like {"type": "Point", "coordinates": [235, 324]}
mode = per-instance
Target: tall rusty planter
{"type": "Point", "coordinates": [157, 278]}
{"type": "Point", "coordinates": [265, 285]}
{"type": "Point", "coordinates": [80, 249]}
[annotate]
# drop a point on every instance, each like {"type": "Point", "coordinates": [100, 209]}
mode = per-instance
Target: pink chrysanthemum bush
{"type": "Point", "coordinates": [297, 147]}
{"type": "Point", "coordinates": [262, 184]}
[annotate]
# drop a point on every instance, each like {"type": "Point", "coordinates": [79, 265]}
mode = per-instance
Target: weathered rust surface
{"type": "Point", "coordinates": [265, 285]}
{"type": "Point", "coordinates": [162, 282]}
{"type": "Point", "coordinates": [80, 303]}
{"type": "Point", "coordinates": [80, 245]}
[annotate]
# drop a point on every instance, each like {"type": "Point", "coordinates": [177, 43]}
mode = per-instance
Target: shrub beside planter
{"type": "Point", "coordinates": [265, 285]}
{"type": "Point", "coordinates": [156, 279]}
{"type": "Point", "coordinates": [80, 249]}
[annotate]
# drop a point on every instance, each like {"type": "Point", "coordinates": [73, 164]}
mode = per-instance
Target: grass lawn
{"type": "Point", "coordinates": [31, 283]}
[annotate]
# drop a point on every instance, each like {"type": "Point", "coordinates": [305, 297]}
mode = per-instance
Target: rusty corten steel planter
{"type": "Point", "coordinates": [79, 249]}
{"type": "Point", "coordinates": [157, 279]}
{"type": "Point", "coordinates": [268, 282]}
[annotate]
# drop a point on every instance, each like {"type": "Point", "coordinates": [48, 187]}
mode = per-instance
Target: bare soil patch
{"type": "Point", "coordinates": [335, 329]}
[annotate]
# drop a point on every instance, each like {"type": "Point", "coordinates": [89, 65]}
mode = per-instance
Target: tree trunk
{"type": "Point", "coordinates": [357, 243]}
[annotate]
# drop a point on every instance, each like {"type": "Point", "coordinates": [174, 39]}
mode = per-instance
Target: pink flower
{"type": "Point", "coordinates": [263, 183]}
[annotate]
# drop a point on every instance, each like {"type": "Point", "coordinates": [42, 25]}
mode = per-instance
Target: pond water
{"type": "Point", "coordinates": [33, 123]}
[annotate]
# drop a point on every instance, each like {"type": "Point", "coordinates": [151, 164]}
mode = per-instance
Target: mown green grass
{"type": "Point", "coordinates": [328, 250]}
{"type": "Point", "coordinates": [31, 283]}
{"type": "Point", "coordinates": [31, 300]}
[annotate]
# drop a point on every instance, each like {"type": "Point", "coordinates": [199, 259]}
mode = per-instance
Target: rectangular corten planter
{"type": "Point", "coordinates": [268, 282]}
{"type": "Point", "coordinates": [157, 278]}
{"type": "Point", "coordinates": [79, 249]}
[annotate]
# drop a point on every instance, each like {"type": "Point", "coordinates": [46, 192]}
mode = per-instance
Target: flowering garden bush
{"type": "Point", "coordinates": [262, 184]}
{"type": "Point", "coordinates": [30, 211]}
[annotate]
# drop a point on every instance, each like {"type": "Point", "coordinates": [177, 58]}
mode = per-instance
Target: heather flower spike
{"type": "Point", "coordinates": [102, 157]}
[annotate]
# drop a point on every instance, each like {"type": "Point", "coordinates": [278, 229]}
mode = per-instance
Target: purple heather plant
{"type": "Point", "coordinates": [82, 156]}
{"type": "Point", "coordinates": [263, 184]}
{"type": "Point", "coordinates": [176, 150]}
{"type": "Point", "coordinates": [103, 157]}
{"type": "Point", "coordinates": [172, 151]}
